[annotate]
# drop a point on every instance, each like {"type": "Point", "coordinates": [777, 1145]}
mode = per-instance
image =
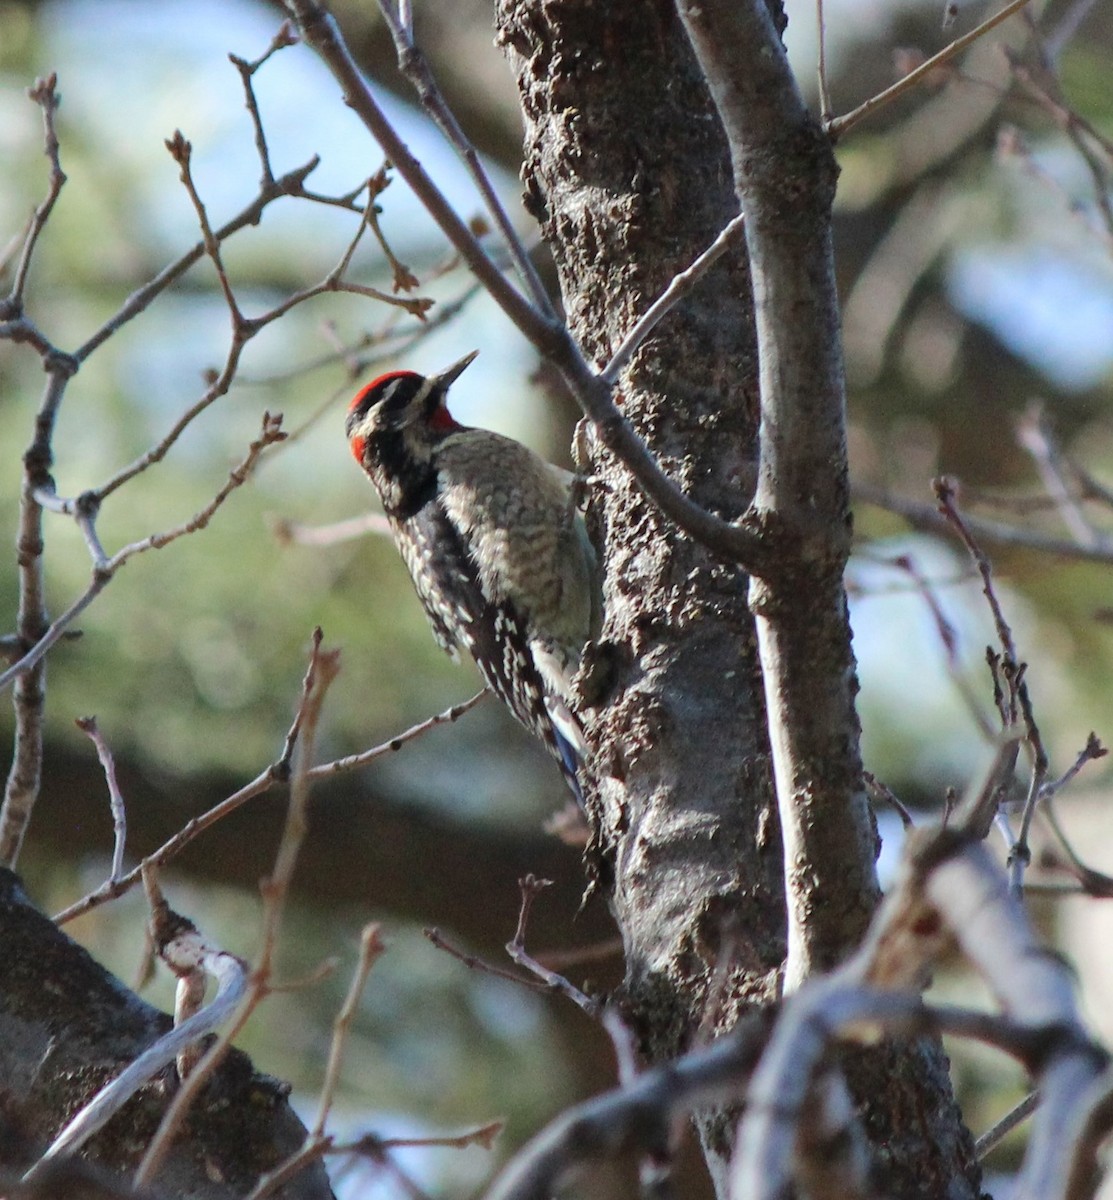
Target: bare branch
{"type": "Point", "coordinates": [278, 772]}
{"type": "Point", "coordinates": [680, 285]}
{"type": "Point", "coordinates": [993, 533]}
{"type": "Point", "coordinates": [947, 636]}
{"type": "Point", "coordinates": [886, 794]}
{"type": "Point", "coordinates": [316, 1144]}
{"type": "Point", "coordinates": [371, 948]}
{"type": "Point", "coordinates": [404, 278]}
{"type": "Point", "coordinates": [288, 532]}
{"type": "Point", "coordinates": [105, 572]}
{"type": "Point", "coordinates": [352, 761]}
{"type": "Point", "coordinates": [1020, 854]}
{"type": "Point", "coordinates": [1034, 435]}
{"type": "Point", "coordinates": [997, 1133]}
{"type": "Point", "coordinates": [531, 887]}
{"type": "Point", "coordinates": [45, 95]}
{"type": "Point", "coordinates": [413, 65]}
{"type": "Point", "coordinates": [290, 184]}
{"type": "Point", "coordinates": [549, 336]}
{"type": "Point", "coordinates": [88, 726]}
{"type": "Point", "coordinates": [483, 1136]}
{"type": "Point", "coordinates": [945, 494]}
{"type": "Point", "coordinates": [839, 125]}
{"type": "Point", "coordinates": [283, 38]}
{"type": "Point", "coordinates": [310, 1150]}
{"type": "Point", "coordinates": [474, 963]}
{"type": "Point", "coordinates": [323, 668]}
{"type": "Point", "coordinates": [182, 944]}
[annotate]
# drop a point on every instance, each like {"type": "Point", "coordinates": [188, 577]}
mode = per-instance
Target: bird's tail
{"type": "Point", "coordinates": [570, 745]}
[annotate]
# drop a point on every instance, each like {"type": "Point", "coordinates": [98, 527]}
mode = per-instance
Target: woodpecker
{"type": "Point", "coordinates": [494, 543]}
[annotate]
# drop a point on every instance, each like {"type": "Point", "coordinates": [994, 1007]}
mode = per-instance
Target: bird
{"type": "Point", "coordinates": [495, 544]}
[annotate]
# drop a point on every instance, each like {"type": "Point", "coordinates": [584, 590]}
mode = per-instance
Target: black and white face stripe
{"type": "Point", "coordinates": [401, 398]}
{"type": "Point", "coordinates": [395, 399]}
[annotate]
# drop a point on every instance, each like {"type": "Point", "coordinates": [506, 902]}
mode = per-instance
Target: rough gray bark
{"type": "Point", "coordinates": [784, 176]}
{"type": "Point", "coordinates": [628, 171]}
{"type": "Point", "coordinates": [67, 1027]}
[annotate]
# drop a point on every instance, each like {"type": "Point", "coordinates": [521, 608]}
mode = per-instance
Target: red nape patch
{"type": "Point", "coordinates": [443, 421]}
{"type": "Point", "coordinates": [356, 444]}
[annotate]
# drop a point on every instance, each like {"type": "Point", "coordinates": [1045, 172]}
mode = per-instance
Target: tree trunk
{"type": "Point", "coordinates": [67, 1027]}
{"type": "Point", "coordinates": [628, 171]}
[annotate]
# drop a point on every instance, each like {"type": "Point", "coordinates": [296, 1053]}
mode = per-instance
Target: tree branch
{"type": "Point", "coordinates": [784, 173]}
{"type": "Point", "coordinates": [549, 336]}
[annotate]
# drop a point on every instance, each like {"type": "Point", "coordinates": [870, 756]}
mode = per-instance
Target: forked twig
{"type": "Point", "coordinates": [413, 64]}
{"type": "Point", "coordinates": [278, 772]}
{"type": "Point", "coordinates": [323, 669]}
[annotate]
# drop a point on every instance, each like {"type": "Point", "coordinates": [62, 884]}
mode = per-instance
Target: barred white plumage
{"type": "Point", "coordinates": [494, 543]}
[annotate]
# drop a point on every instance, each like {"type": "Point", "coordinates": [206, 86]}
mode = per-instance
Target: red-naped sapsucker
{"type": "Point", "coordinates": [495, 544]}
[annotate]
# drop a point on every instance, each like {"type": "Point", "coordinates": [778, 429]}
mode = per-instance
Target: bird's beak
{"type": "Point", "coordinates": [449, 375]}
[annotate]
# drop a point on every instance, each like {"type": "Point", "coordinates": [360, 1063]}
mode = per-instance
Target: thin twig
{"type": "Point", "coordinates": [531, 887]}
{"type": "Point", "coordinates": [371, 949]}
{"type": "Point", "coordinates": [1095, 883]}
{"type": "Point", "coordinates": [45, 95]}
{"type": "Point", "coordinates": [945, 495]}
{"type": "Point", "coordinates": [290, 184]}
{"type": "Point", "coordinates": [1047, 92]}
{"type": "Point", "coordinates": [283, 38]}
{"type": "Point", "coordinates": [375, 1148]}
{"type": "Point", "coordinates": [308, 1152]}
{"type": "Point", "coordinates": [483, 1136]}
{"type": "Point", "coordinates": [997, 1132]}
{"type": "Point", "coordinates": [353, 761]}
{"type": "Point", "coordinates": [88, 726]}
{"type": "Point", "coordinates": [948, 637]}
{"type": "Point", "coordinates": [104, 573]}
{"type": "Point", "coordinates": [1035, 436]}
{"type": "Point", "coordinates": [317, 1143]}
{"type": "Point", "coordinates": [824, 94]}
{"type": "Point", "coordinates": [404, 278]}
{"type": "Point", "coordinates": [1091, 752]}
{"type": "Point", "coordinates": [413, 64]}
{"type": "Point", "coordinates": [680, 285]}
{"type": "Point", "coordinates": [885, 793]}
{"type": "Point", "coordinates": [474, 963]}
{"type": "Point", "coordinates": [839, 125]}
{"type": "Point", "coordinates": [1020, 854]}
{"type": "Point", "coordinates": [388, 341]}
{"type": "Point", "coordinates": [278, 772]}
{"type": "Point", "coordinates": [294, 532]}
{"type": "Point", "coordinates": [323, 668]}
{"type": "Point", "coordinates": [181, 151]}
{"type": "Point", "coordinates": [994, 533]}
